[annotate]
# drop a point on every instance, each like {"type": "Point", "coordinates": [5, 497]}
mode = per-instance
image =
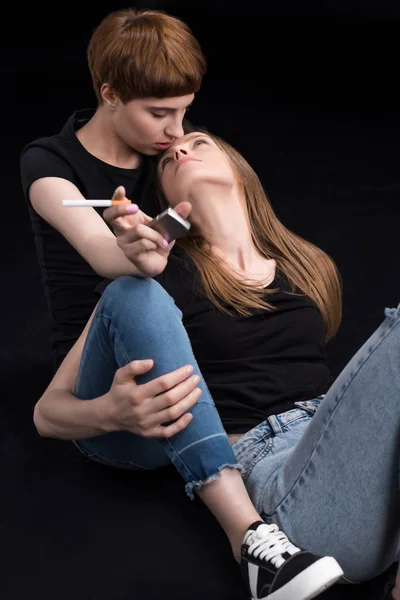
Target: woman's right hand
{"type": "Point", "coordinates": [142, 245]}
{"type": "Point", "coordinates": [143, 409]}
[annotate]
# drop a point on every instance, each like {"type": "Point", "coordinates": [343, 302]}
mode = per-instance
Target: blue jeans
{"type": "Point", "coordinates": [327, 472]}
{"type": "Point", "coordinates": [136, 319]}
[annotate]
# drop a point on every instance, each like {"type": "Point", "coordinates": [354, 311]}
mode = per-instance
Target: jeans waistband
{"type": "Point", "coordinates": [276, 424]}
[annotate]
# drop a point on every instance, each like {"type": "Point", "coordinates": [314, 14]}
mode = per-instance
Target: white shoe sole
{"type": "Point", "coordinates": [309, 583]}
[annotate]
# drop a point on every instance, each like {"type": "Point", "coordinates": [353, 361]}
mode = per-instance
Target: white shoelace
{"type": "Point", "coordinates": [269, 543]}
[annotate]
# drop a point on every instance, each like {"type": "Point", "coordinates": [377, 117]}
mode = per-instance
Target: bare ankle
{"type": "Point", "coordinates": [236, 540]}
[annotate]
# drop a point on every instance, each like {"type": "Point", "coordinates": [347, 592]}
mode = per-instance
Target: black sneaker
{"type": "Point", "coordinates": [274, 569]}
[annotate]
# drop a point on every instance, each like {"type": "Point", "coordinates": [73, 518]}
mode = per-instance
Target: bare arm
{"type": "Point", "coordinates": [82, 227]}
{"type": "Point", "coordinates": [59, 413]}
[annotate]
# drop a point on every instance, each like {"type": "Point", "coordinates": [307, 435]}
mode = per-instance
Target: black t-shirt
{"type": "Point", "coordinates": [254, 366]}
{"type": "Point", "coordinates": [69, 280]}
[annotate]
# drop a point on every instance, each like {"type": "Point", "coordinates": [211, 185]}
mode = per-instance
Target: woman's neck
{"type": "Point", "coordinates": [223, 219]}
{"type": "Point", "coordinates": [98, 137]}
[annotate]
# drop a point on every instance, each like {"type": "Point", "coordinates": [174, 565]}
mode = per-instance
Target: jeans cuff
{"type": "Point", "coordinates": [192, 486]}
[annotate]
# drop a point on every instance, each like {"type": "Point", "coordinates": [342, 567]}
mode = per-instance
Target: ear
{"type": "Point", "coordinates": [108, 95]}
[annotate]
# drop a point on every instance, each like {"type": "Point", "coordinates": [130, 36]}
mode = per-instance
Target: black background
{"type": "Point", "coordinates": [309, 93]}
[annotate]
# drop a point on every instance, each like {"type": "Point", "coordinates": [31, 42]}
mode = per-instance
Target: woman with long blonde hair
{"type": "Point", "coordinates": [213, 358]}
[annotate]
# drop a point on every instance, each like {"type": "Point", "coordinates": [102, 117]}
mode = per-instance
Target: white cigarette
{"type": "Point", "coordinates": [94, 202]}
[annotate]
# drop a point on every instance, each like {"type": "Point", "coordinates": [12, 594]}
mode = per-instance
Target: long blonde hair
{"type": "Point", "coordinates": [306, 266]}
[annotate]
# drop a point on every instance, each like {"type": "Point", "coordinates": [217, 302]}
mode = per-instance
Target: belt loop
{"type": "Point", "coordinates": [274, 423]}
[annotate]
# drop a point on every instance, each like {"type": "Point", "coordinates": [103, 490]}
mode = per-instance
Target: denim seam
{"type": "Point", "coordinates": [108, 460]}
{"type": "Point", "coordinates": [115, 461]}
{"type": "Point", "coordinates": [285, 427]}
{"type": "Point", "coordinates": [116, 334]}
{"type": "Point", "coordinates": [345, 386]}
{"type": "Point", "coordinates": [258, 457]}
{"type": "Point", "coordinates": [288, 424]}
{"type": "Point", "coordinates": [178, 457]}
{"type": "Point", "coordinates": [209, 437]}
{"type": "Point", "coordinates": [194, 478]}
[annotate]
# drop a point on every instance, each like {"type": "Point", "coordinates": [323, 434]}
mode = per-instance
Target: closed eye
{"type": "Point", "coordinates": [196, 142]}
{"type": "Point", "coordinates": [165, 161]}
{"type": "Point", "coordinates": [200, 141]}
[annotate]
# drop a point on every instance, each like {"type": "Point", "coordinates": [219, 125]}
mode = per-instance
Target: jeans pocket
{"type": "Point", "coordinates": [253, 454]}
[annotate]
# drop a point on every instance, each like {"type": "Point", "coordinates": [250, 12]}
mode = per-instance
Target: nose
{"type": "Point", "coordinates": [180, 153]}
{"type": "Point", "coordinates": [174, 129]}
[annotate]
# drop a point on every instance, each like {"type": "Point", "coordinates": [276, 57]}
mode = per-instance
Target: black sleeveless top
{"type": "Point", "coordinates": [254, 366]}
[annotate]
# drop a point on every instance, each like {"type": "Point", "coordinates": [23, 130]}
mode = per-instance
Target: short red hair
{"type": "Point", "coordinates": [143, 54]}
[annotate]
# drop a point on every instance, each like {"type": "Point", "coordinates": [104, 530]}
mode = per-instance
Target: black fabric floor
{"type": "Point", "coordinates": [315, 111]}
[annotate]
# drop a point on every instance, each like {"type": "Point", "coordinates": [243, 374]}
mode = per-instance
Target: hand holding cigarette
{"type": "Point", "coordinates": [144, 246]}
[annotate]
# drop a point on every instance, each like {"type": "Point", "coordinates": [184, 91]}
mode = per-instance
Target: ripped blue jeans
{"type": "Point", "coordinates": [327, 471]}
{"type": "Point", "coordinates": [136, 319]}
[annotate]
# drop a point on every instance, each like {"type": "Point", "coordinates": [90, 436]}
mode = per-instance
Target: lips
{"type": "Point", "coordinates": [182, 161]}
{"type": "Point", "coordinates": [164, 145]}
